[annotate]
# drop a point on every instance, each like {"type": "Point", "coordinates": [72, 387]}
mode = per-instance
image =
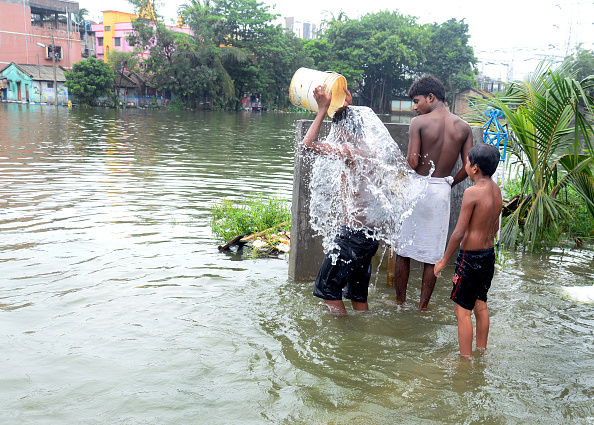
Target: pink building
{"type": "Point", "coordinates": [111, 35]}
{"type": "Point", "coordinates": [27, 27]}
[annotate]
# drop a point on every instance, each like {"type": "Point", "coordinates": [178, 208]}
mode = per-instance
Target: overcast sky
{"type": "Point", "coordinates": [506, 34]}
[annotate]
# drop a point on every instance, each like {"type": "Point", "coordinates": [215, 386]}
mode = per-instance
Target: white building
{"type": "Point", "coordinates": [302, 29]}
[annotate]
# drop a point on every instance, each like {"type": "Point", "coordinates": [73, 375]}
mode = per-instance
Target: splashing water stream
{"type": "Point", "coordinates": [374, 190]}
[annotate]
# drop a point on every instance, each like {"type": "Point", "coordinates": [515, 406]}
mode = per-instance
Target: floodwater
{"type": "Point", "coordinates": [117, 308]}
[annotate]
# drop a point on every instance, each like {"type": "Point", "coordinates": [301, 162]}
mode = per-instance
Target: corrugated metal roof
{"type": "Point", "coordinates": [43, 72]}
{"type": "Point", "coordinates": [124, 81]}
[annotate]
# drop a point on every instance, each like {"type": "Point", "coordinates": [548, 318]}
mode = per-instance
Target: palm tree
{"type": "Point", "coordinates": [81, 15]}
{"type": "Point", "coordinates": [549, 133]}
{"type": "Point", "coordinates": [210, 41]}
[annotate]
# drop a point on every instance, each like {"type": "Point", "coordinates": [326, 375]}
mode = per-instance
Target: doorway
{"type": "Point", "coordinates": [19, 91]}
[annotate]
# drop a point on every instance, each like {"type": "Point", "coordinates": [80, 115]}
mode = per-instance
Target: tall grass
{"type": "Point", "coordinates": [252, 214]}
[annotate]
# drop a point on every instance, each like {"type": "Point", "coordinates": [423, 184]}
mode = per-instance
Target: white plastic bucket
{"type": "Point", "coordinates": [306, 80]}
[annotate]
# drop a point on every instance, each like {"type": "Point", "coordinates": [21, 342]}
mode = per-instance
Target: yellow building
{"type": "Point", "coordinates": [110, 34]}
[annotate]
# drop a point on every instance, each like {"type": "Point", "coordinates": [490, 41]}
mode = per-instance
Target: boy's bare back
{"type": "Point", "coordinates": [438, 136]}
{"type": "Point", "coordinates": [483, 203]}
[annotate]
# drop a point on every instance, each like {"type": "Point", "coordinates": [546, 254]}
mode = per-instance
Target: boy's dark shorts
{"type": "Point", "coordinates": [472, 279]}
{"type": "Point", "coordinates": [352, 270]}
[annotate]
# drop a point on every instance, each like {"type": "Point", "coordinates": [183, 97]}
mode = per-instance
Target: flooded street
{"type": "Point", "coordinates": [117, 308]}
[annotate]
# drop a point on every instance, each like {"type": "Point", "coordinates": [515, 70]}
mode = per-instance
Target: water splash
{"type": "Point", "coordinates": [373, 188]}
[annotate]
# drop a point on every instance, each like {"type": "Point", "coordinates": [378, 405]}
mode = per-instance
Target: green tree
{"type": "Point", "coordinates": [277, 55]}
{"type": "Point", "coordinates": [271, 54]}
{"type": "Point", "coordinates": [377, 53]}
{"type": "Point", "coordinates": [175, 62]}
{"type": "Point", "coordinates": [89, 80]}
{"type": "Point", "coordinates": [122, 62]}
{"type": "Point", "coordinates": [325, 58]}
{"type": "Point", "coordinates": [550, 144]}
{"type": "Point", "coordinates": [244, 22]}
{"type": "Point", "coordinates": [450, 58]}
{"type": "Point", "coordinates": [214, 48]}
{"type": "Point", "coordinates": [582, 63]}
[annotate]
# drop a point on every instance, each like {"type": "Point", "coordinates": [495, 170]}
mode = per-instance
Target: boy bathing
{"type": "Point", "coordinates": [348, 265]}
{"type": "Point", "coordinates": [475, 232]}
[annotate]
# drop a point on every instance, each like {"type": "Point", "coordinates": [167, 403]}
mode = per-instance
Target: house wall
{"type": "Point", "coordinates": [18, 38]}
{"type": "Point", "coordinates": [17, 81]}
{"type": "Point", "coordinates": [122, 31]}
{"type": "Point", "coordinates": [45, 94]}
{"type": "Point", "coordinates": [38, 91]}
{"type": "Point", "coordinates": [99, 50]}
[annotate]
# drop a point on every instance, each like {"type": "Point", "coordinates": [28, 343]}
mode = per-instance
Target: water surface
{"type": "Point", "coordinates": [117, 308]}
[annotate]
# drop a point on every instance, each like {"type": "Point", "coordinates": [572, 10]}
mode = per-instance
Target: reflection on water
{"type": "Point", "coordinates": [115, 306]}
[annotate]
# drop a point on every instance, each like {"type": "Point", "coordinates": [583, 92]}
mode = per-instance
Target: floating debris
{"type": "Point", "coordinates": [262, 244]}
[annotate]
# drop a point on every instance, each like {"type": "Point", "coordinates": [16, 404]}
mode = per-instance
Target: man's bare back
{"type": "Point", "coordinates": [437, 137]}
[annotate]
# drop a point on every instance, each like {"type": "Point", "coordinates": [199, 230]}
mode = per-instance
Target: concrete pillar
{"type": "Point", "coordinates": [306, 253]}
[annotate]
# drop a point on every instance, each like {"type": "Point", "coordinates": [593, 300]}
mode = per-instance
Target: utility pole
{"type": "Point", "coordinates": [55, 78]}
{"type": "Point", "coordinates": [53, 47]}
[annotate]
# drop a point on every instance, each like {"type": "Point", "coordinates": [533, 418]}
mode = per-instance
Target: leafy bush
{"type": "Point", "coordinates": [89, 79]}
{"type": "Point", "coordinates": [177, 104]}
{"type": "Point", "coordinates": [250, 215]}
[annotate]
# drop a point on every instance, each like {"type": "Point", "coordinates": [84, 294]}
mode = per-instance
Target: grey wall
{"type": "Point", "coordinates": [306, 253]}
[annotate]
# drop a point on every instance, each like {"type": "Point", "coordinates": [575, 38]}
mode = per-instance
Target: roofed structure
{"type": "Point", "coordinates": [123, 81]}
{"type": "Point", "coordinates": [50, 7]}
{"type": "Point", "coordinates": [40, 72]}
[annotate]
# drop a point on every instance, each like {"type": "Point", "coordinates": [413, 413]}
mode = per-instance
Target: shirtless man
{"type": "Point", "coordinates": [436, 138]}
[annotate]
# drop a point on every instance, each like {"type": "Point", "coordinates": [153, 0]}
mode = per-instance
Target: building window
{"type": "Point", "coordinates": [107, 28]}
{"type": "Point", "coordinates": [117, 42]}
{"type": "Point", "coordinates": [50, 85]}
{"type": "Point", "coordinates": [100, 41]}
{"type": "Point", "coordinates": [49, 52]}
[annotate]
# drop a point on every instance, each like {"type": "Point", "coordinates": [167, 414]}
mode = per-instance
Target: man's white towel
{"type": "Point", "coordinates": [424, 232]}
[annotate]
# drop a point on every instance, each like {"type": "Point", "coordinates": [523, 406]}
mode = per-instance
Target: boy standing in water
{"type": "Point", "coordinates": [475, 232]}
{"type": "Point", "coordinates": [436, 138]}
{"type": "Point", "coordinates": [349, 265]}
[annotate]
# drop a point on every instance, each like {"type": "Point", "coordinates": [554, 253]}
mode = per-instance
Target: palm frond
{"type": "Point", "coordinates": [234, 53]}
{"type": "Point", "coordinates": [544, 212]}
{"type": "Point", "coordinates": [583, 184]}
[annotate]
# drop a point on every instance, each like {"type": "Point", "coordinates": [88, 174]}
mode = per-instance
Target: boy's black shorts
{"type": "Point", "coordinates": [472, 279]}
{"type": "Point", "coordinates": [352, 270]}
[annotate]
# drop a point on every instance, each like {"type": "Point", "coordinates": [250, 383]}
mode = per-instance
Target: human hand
{"type": "Point", "coordinates": [439, 266]}
{"type": "Point", "coordinates": [349, 99]}
{"type": "Point", "coordinates": [322, 98]}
